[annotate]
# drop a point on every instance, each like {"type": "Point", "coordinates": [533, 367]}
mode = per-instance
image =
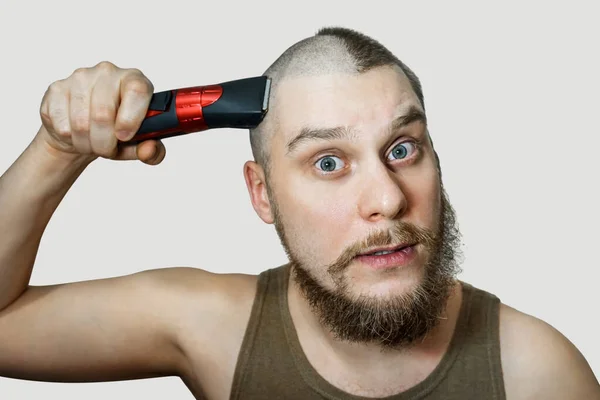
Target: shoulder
{"type": "Point", "coordinates": [539, 362]}
{"type": "Point", "coordinates": [201, 300]}
{"type": "Point", "coordinates": [202, 305]}
{"type": "Point", "coordinates": [210, 313]}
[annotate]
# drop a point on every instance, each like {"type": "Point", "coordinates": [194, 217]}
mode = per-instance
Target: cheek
{"type": "Point", "coordinates": [316, 216]}
{"type": "Point", "coordinates": [424, 198]}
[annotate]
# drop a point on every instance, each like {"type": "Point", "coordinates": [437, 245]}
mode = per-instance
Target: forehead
{"type": "Point", "coordinates": [365, 101]}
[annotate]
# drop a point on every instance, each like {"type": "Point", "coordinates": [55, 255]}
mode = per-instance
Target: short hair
{"type": "Point", "coordinates": [331, 49]}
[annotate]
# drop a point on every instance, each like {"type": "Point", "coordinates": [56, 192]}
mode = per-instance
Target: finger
{"type": "Point", "coordinates": [150, 152]}
{"type": "Point", "coordinates": [103, 111]}
{"type": "Point", "coordinates": [79, 118]}
{"type": "Point", "coordinates": [151, 155]}
{"type": "Point", "coordinates": [55, 112]}
{"type": "Point", "coordinates": [136, 92]}
{"type": "Point", "coordinates": [126, 151]}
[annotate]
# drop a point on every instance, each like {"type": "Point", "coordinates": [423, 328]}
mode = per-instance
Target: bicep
{"type": "Point", "coordinates": [101, 330]}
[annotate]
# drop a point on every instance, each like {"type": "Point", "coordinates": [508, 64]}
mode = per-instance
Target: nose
{"type": "Point", "coordinates": [380, 194]}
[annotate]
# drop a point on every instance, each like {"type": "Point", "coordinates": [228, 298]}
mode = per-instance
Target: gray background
{"type": "Point", "coordinates": [512, 97]}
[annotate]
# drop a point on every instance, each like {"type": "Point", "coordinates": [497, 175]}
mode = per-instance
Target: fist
{"type": "Point", "coordinates": [95, 111]}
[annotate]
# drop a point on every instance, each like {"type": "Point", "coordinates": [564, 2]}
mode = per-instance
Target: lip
{"type": "Point", "coordinates": [388, 248]}
{"type": "Point", "coordinates": [403, 257]}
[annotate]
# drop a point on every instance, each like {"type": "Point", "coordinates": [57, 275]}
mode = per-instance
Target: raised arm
{"type": "Point", "coordinates": [109, 329]}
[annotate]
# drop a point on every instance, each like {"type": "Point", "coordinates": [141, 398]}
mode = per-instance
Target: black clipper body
{"type": "Point", "coordinates": [241, 104]}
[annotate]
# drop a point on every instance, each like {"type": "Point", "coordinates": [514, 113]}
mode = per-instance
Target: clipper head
{"type": "Point", "coordinates": [243, 104]}
{"type": "Point", "coordinates": [266, 98]}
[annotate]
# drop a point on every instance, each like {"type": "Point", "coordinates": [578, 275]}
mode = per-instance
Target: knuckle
{"type": "Point", "coordinates": [103, 113]}
{"type": "Point", "coordinates": [139, 87]}
{"type": "Point", "coordinates": [44, 115]}
{"type": "Point", "coordinates": [80, 123]}
{"type": "Point", "coordinates": [44, 111]}
{"type": "Point", "coordinates": [105, 66]}
{"type": "Point", "coordinates": [126, 124]}
{"type": "Point", "coordinates": [80, 78]}
{"type": "Point", "coordinates": [80, 72]}
{"type": "Point", "coordinates": [62, 131]}
{"type": "Point", "coordinates": [55, 88]}
{"type": "Point", "coordinates": [150, 86]}
{"type": "Point", "coordinates": [134, 71]}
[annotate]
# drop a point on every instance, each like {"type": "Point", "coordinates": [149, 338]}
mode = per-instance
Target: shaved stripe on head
{"type": "Point", "coordinates": [332, 50]}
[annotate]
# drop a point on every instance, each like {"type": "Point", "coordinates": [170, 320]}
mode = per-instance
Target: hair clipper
{"type": "Point", "coordinates": [240, 103]}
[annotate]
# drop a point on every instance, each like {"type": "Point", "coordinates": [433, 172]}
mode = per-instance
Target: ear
{"type": "Point", "coordinates": [257, 189]}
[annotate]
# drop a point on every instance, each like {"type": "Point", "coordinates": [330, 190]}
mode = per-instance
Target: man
{"type": "Point", "coordinates": [369, 305]}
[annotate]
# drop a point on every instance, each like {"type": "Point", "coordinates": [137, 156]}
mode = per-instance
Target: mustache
{"type": "Point", "coordinates": [400, 232]}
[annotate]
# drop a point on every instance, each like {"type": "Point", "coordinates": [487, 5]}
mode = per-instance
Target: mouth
{"type": "Point", "coordinates": [383, 258]}
{"type": "Point", "coordinates": [381, 251]}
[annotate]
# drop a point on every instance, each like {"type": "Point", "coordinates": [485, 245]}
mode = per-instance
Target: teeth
{"type": "Point", "coordinates": [380, 253]}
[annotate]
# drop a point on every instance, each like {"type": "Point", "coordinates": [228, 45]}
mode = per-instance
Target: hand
{"type": "Point", "coordinates": [94, 111]}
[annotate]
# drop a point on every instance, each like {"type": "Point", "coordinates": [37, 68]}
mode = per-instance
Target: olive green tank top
{"type": "Point", "coordinates": [272, 365]}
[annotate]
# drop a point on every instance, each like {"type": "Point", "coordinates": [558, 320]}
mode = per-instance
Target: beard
{"type": "Point", "coordinates": [390, 323]}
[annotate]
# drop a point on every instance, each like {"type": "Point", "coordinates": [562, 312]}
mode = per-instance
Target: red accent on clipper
{"type": "Point", "coordinates": [188, 111]}
{"type": "Point", "coordinates": [189, 103]}
{"type": "Point", "coordinates": [152, 113]}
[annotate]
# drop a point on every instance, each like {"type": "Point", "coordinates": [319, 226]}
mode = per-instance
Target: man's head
{"type": "Point", "coordinates": [344, 165]}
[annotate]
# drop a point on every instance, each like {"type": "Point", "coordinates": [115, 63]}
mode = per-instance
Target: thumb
{"type": "Point", "coordinates": [151, 152]}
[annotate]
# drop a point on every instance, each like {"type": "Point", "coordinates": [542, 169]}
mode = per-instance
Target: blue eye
{"type": "Point", "coordinates": [401, 150]}
{"type": "Point", "coordinates": [329, 163]}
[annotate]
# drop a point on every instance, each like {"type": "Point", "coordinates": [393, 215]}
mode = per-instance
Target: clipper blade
{"type": "Point", "coordinates": [265, 106]}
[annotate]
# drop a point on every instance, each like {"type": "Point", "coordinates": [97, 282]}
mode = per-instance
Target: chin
{"type": "Point", "coordinates": [362, 281]}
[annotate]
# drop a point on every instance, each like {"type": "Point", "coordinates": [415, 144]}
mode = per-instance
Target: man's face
{"type": "Point", "coordinates": [364, 176]}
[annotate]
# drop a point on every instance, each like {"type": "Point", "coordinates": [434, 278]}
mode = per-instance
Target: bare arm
{"type": "Point", "coordinates": [30, 191]}
{"type": "Point", "coordinates": [111, 329]}
{"type": "Point", "coordinates": [539, 362]}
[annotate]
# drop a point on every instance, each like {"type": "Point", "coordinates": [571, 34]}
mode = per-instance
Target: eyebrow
{"type": "Point", "coordinates": [308, 134]}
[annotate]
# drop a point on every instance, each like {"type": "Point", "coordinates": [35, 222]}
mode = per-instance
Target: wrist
{"type": "Point", "coordinates": [54, 160]}
{"type": "Point", "coordinates": [49, 173]}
